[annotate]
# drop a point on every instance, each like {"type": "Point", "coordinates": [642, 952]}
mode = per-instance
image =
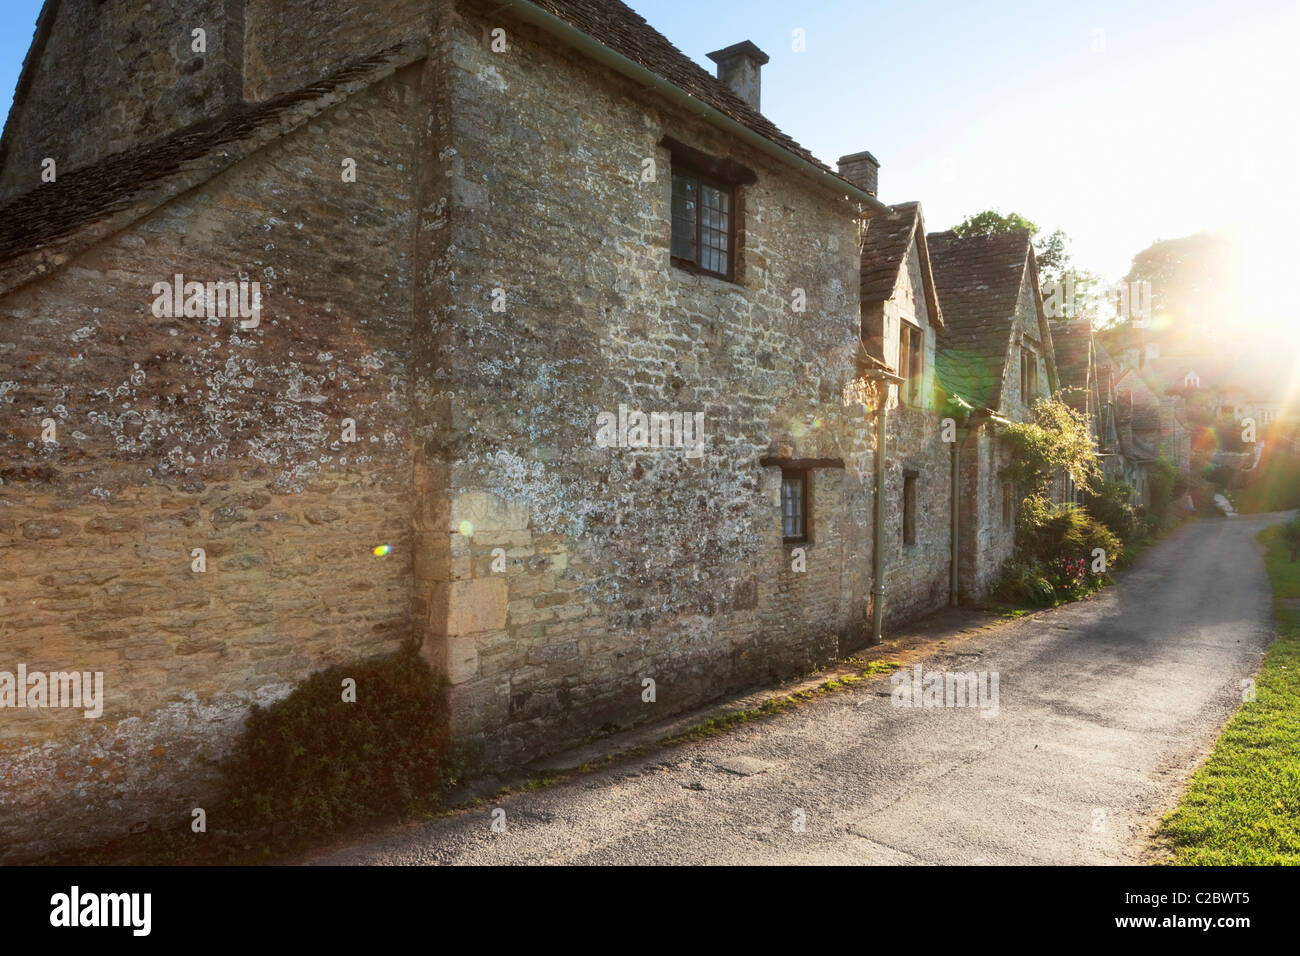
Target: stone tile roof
{"type": "Point", "coordinates": [978, 280]}
{"type": "Point", "coordinates": [885, 248]}
{"type": "Point", "coordinates": [1134, 448]}
{"type": "Point", "coordinates": [1072, 342]}
{"type": "Point", "coordinates": [42, 227]}
{"type": "Point", "coordinates": [617, 26]}
{"type": "Point", "coordinates": [1145, 417]}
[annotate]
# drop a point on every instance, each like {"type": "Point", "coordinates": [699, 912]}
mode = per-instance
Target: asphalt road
{"type": "Point", "coordinates": [1103, 709]}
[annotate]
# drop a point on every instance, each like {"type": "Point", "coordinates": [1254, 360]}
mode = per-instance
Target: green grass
{"type": "Point", "coordinates": [1243, 806]}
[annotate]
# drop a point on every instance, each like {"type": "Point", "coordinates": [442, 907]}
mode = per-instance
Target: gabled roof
{"type": "Point", "coordinates": [978, 280]}
{"type": "Point", "coordinates": [43, 227]}
{"type": "Point", "coordinates": [885, 249]}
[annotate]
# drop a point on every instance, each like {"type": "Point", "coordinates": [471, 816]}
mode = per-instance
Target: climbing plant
{"type": "Point", "coordinates": [1056, 440]}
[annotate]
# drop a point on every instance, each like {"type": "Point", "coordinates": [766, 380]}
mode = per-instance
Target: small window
{"type": "Point", "coordinates": [911, 343]}
{"type": "Point", "coordinates": [1028, 375]}
{"type": "Point", "coordinates": [703, 217]}
{"type": "Point", "coordinates": [1008, 503]}
{"type": "Point", "coordinates": [909, 509]}
{"type": "Point", "coordinates": [794, 505]}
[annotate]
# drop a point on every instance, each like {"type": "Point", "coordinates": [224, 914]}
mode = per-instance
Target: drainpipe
{"type": "Point", "coordinates": [878, 522]}
{"type": "Point", "coordinates": [956, 515]}
{"type": "Point", "coordinates": [883, 380]}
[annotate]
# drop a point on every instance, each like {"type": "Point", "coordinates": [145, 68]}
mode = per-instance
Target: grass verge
{"type": "Point", "coordinates": [1243, 806]}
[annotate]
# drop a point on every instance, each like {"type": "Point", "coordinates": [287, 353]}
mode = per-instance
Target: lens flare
{"type": "Point", "coordinates": [381, 550]}
{"type": "Point", "coordinates": [467, 529]}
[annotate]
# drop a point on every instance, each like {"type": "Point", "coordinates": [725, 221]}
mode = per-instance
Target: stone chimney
{"type": "Point", "coordinates": [738, 67]}
{"type": "Point", "coordinates": [862, 170]}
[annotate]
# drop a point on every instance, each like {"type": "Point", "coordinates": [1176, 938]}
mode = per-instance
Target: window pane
{"type": "Point", "coordinates": [792, 507]}
{"type": "Point", "coordinates": [715, 228]}
{"type": "Point", "coordinates": [685, 211]}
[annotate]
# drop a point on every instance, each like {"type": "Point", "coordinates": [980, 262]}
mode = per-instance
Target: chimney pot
{"type": "Point", "coordinates": [738, 67]}
{"type": "Point", "coordinates": [861, 169]}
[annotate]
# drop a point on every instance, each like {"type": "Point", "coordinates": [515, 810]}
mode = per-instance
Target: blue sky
{"type": "Point", "coordinates": [1119, 121]}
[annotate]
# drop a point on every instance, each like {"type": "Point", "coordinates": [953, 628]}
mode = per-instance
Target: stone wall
{"type": "Point", "coordinates": [285, 49]}
{"type": "Point", "coordinates": [497, 276]}
{"type": "Point", "coordinates": [180, 433]}
{"type": "Point", "coordinates": [917, 575]}
{"type": "Point", "coordinates": [986, 538]}
{"type": "Point", "coordinates": [624, 564]}
{"type": "Point", "coordinates": [1024, 326]}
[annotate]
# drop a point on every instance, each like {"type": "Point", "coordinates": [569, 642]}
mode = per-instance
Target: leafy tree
{"type": "Point", "coordinates": [1193, 278]}
{"type": "Point", "coordinates": [990, 222]}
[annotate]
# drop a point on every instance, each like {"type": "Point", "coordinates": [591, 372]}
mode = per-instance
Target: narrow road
{"type": "Point", "coordinates": [1104, 708]}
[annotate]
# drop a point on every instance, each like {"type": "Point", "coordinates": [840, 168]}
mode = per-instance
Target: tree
{"type": "Point", "coordinates": [990, 222]}
{"type": "Point", "coordinates": [1193, 278]}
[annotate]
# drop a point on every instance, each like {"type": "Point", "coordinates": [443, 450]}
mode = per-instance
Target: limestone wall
{"type": "Point", "coordinates": [625, 564]}
{"type": "Point", "coordinates": [183, 433]}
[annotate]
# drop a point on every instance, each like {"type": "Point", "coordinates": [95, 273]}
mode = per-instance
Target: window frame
{"type": "Point", "coordinates": [702, 179]}
{"type": "Point", "coordinates": [804, 476]}
{"type": "Point", "coordinates": [911, 362]}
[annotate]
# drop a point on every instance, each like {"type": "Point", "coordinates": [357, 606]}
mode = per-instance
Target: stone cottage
{"type": "Point", "coordinates": [1151, 426]}
{"type": "Point", "coordinates": [498, 329]}
{"type": "Point", "coordinates": [901, 316]}
{"type": "Point", "coordinates": [995, 360]}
